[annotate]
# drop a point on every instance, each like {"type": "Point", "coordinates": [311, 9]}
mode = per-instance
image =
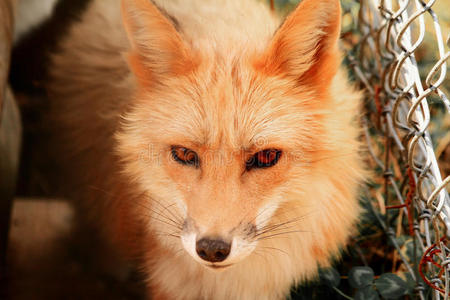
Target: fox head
{"type": "Point", "coordinates": [230, 143]}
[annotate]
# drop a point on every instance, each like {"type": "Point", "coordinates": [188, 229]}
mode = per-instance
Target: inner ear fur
{"type": "Point", "coordinates": [157, 48]}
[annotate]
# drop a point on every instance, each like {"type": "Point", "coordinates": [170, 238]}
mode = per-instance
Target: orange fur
{"type": "Point", "coordinates": [220, 79]}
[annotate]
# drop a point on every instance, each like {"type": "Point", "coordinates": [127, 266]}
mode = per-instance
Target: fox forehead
{"type": "Point", "coordinates": [232, 106]}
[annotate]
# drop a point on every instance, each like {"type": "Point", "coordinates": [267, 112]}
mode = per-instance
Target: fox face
{"type": "Point", "coordinates": [221, 141]}
{"type": "Point", "coordinates": [215, 169]}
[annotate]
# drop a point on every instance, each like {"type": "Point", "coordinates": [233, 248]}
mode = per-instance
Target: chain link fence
{"type": "Point", "coordinates": [411, 198]}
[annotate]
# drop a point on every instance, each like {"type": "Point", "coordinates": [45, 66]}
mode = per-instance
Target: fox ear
{"type": "Point", "coordinates": [157, 49]}
{"type": "Point", "coordinates": [305, 47]}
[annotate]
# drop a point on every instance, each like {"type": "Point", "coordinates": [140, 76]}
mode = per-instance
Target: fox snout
{"type": "Point", "coordinates": [218, 249]}
{"type": "Point", "coordinates": [213, 249]}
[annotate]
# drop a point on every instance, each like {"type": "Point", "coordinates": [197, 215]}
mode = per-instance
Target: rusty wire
{"type": "Point", "coordinates": [387, 65]}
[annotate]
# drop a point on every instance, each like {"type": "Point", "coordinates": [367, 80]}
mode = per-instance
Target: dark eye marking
{"type": "Point", "coordinates": [185, 156]}
{"type": "Point", "coordinates": [263, 159]}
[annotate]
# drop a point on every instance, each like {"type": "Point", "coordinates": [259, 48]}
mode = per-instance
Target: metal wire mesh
{"type": "Point", "coordinates": [412, 196]}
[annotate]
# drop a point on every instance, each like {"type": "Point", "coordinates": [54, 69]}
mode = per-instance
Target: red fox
{"type": "Point", "coordinates": [209, 141]}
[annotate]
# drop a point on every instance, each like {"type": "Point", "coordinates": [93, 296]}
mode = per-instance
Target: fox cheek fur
{"type": "Point", "coordinates": [206, 94]}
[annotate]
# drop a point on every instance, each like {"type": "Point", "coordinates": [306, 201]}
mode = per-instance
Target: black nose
{"type": "Point", "coordinates": [212, 250]}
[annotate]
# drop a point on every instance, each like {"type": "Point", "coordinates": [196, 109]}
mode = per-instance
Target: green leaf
{"type": "Point", "coordinates": [390, 286]}
{"type": "Point", "coordinates": [402, 239]}
{"type": "Point", "coordinates": [410, 251]}
{"type": "Point", "coordinates": [330, 277]}
{"type": "Point", "coordinates": [411, 283]}
{"type": "Point", "coordinates": [366, 293]}
{"type": "Point", "coordinates": [359, 277]}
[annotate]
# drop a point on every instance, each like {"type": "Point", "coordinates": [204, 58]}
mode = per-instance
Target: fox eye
{"type": "Point", "coordinates": [263, 159]}
{"type": "Point", "coordinates": [185, 156]}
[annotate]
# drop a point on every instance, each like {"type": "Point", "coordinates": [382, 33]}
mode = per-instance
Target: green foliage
{"type": "Point", "coordinates": [361, 284]}
{"type": "Point", "coordinates": [330, 277]}
{"type": "Point", "coordinates": [360, 277]}
{"type": "Point", "coordinates": [366, 293]}
{"type": "Point", "coordinates": [390, 286]}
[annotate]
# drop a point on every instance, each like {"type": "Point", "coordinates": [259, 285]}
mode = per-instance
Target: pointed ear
{"type": "Point", "coordinates": [305, 47]}
{"type": "Point", "coordinates": [157, 49]}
